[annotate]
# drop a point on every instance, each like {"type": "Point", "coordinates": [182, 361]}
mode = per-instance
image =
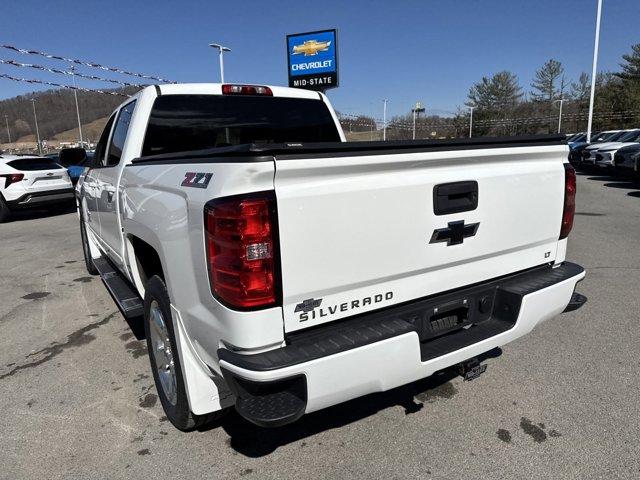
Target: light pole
{"type": "Point", "coordinates": [6, 121]}
{"type": "Point", "coordinates": [221, 50]}
{"type": "Point", "coordinates": [560, 115]}
{"type": "Point", "coordinates": [384, 120]}
{"type": "Point", "coordinates": [35, 118]}
{"type": "Point", "coordinates": [416, 110]}
{"type": "Point", "coordinates": [75, 94]}
{"type": "Point", "coordinates": [471, 121]}
{"type": "Point", "coordinates": [593, 71]}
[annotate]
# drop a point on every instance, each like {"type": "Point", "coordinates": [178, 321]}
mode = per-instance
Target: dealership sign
{"type": "Point", "coordinates": [313, 60]}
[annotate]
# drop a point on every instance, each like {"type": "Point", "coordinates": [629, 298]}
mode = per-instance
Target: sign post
{"type": "Point", "coordinates": [312, 60]}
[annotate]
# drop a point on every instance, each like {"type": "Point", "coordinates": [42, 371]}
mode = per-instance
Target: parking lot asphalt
{"type": "Point", "coordinates": [78, 399]}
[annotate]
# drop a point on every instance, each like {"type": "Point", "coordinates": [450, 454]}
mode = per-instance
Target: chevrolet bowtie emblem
{"type": "Point", "coordinates": [308, 305]}
{"type": "Point", "coordinates": [455, 233]}
{"type": "Point", "coordinates": [311, 47]}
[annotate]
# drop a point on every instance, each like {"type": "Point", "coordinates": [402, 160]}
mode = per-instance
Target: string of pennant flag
{"type": "Point", "coordinates": [53, 84]}
{"type": "Point", "coordinates": [66, 72]}
{"type": "Point", "coordinates": [85, 63]}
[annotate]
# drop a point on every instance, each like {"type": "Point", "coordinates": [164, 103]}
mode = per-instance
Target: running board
{"type": "Point", "coordinates": [127, 300]}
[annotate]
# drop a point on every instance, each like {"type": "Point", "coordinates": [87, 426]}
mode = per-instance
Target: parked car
{"type": "Point", "coordinates": [576, 148]}
{"type": "Point", "coordinates": [281, 270]}
{"type": "Point", "coordinates": [588, 154]}
{"type": "Point", "coordinates": [626, 161]}
{"type": "Point", "coordinates": [604, 155]}
{"type": "Point", "coordinates": [31, 181]}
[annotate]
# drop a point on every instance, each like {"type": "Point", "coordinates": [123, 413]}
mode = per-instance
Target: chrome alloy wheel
{"type": "Point", "coordinates": [163, 356]}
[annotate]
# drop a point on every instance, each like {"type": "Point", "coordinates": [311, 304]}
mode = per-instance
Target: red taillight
{"type": "Point", "coordinates": [246, 90]}
{"type": "Point", "coordinates": [12, 178]}
{"type": "Point", "coordinates": [241, 250]}
{"type": "Point", "coordinates": [569, 201]}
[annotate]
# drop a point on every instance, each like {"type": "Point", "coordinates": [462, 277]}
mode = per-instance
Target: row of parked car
{"type": "Point", "coordinates": [614, 151]}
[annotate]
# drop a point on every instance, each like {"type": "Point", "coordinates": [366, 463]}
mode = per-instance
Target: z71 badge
{"type": "Point", "coordinates": [196, 179]}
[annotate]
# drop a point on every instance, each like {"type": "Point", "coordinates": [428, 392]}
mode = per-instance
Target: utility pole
{"type": "Point", "coordinates": [384, 120]}
{"type": "Point", "coordinates": [416, 110]}
{"type": "Point", "coordinates": [593, 71]}
{"type": "Point", "coordinates": [471, 121]}
{"type": "Point", "coordinates": [559, 116]}
{"type": "Point", "coordinates": [35, 118]}
{"type": "Point", "coordinates": [6, 121]}
{"type": "Point", "coordinates": [75, 94]}
{"type": "Point", "coordinates": [221, 50]}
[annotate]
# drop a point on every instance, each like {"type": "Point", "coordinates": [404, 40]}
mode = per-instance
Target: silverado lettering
{"type": "Point", "coordinates": [345, 306]}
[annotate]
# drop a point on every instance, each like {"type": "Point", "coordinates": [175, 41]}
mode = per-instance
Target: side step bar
{"type": "Point", "coordinates": [126, 298]}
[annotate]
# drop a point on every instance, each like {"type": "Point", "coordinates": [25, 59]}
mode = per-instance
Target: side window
{"type": "Point", "coordinates": [101, 147]}
{"type": "Point", "coordinates": [120, 134]}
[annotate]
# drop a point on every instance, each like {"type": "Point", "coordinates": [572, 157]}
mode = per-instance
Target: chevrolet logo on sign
{"type": "Point", "coordinates": [311, 47]}
{"type": "Point", "coordinates": [312, 60]}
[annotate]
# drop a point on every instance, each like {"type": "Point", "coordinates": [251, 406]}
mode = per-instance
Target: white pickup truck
{"type": "Point", "coordinates": [282, 270]}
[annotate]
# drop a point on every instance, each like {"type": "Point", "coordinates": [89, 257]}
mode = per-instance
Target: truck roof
{"type": "Point", "coordinates": [216, 89]}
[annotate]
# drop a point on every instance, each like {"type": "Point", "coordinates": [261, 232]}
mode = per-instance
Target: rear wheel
{"type": "Point", "coordinates": [86, 251]}
{"type": "Point", "coordinates": [5, 213]}
{"type": "Point", "coordinates": [165, 362]}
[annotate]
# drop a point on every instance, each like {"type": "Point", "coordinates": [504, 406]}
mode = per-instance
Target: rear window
{"type": "Point", "coordinates": [30, 164]}
{"type": "Point", "coordinates": [180, 123]}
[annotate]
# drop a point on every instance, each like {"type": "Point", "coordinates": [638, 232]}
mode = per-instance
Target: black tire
{"type": "Point", "coordinates": [88, 261]}
{"type": "Point", "coordinates": [179, 413]}
{"type": "Point", "coordinates": [5, 213]}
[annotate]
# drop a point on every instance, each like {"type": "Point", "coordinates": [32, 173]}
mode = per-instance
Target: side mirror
{"type": "Point", "coordinates": [72, 156]}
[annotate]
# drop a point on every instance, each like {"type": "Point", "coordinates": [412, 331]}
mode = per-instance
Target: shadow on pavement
{"type": "Point", "coordinates": [253, 441]}
{"type": "Point", "coordinates": [627, 185]}
{"type": "Point", "coordinates": [602, 178]}
{"type": "Point", "coordinates": [34, 214]}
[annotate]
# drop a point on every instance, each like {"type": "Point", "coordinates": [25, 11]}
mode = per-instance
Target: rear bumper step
{"type": "Point", "coordinates": [449, 328]}
{"type": "Point", "coordinates": [126, 298]}
{"type": "Point", "coordinates": [577, 300]}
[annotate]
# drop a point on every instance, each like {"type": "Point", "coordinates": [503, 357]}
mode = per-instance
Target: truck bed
{"type": "Point", "coordinates": [265, 152]}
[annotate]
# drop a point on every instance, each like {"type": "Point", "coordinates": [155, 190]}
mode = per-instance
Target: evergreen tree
{"type": "Point", "coordinates": [500, 91]}
{"type": "Point", "coordinates": [631, 65]}
{"type": "Point", "coordinates": [548, 82]}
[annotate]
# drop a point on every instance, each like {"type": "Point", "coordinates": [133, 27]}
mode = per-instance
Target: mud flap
{"type": "Point", "coordinates": [206, 393]}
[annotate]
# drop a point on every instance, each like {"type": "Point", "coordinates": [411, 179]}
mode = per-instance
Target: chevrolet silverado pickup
{"type": "Point", "coordinates": [279, 270]}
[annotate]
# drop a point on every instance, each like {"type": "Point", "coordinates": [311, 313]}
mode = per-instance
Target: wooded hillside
{"type": "Point", "coordinates": [56, 111]}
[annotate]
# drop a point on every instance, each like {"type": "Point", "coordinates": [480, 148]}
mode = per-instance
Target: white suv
{"type": "Point", "coordinates": [32, 181]}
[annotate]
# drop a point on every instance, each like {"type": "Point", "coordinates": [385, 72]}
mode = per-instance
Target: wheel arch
{"type": "Point", "coordinates": [144, 262]}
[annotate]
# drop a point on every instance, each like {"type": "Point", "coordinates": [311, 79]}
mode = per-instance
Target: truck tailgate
{"type": "Point", "coordinates": [358, 231]}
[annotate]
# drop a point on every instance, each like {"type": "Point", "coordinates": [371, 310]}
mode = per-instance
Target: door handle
{"type": "Point", "coordinates": [455, 197]}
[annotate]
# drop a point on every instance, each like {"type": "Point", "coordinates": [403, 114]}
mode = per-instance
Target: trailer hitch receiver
{"type": "Point", "coordinates": [471, 369]}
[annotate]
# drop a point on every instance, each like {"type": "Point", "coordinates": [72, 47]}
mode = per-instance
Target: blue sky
{"type": "Point", "coordinates": [405, 51]}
